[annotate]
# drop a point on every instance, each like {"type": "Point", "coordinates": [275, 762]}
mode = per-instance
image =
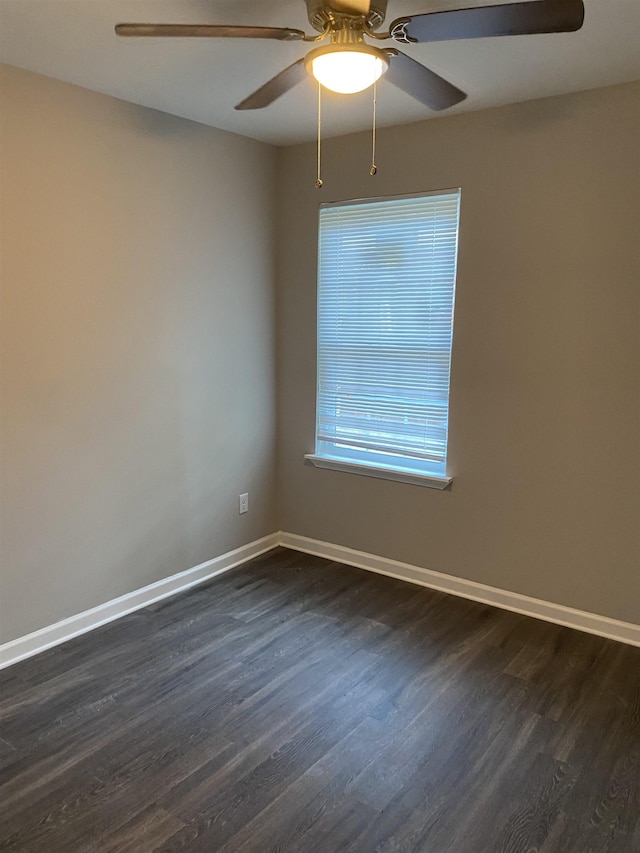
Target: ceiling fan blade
{"type": "Point", "coordinates": [351, 7]}
{"type": "Point", "coordinates": [274, 88]}
{"type": "Point", "coordinates": [510, 19]}
{"type": "Point", "coordinates": [424, 85]}
{"type": "Point", "coordinates": [208, 31]}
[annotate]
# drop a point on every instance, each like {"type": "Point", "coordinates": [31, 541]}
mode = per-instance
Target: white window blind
{"type": "Point", "coordinates": [386, 284]}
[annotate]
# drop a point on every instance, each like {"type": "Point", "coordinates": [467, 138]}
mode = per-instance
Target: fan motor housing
{"type": "Point", "coordinates": [320, 13]}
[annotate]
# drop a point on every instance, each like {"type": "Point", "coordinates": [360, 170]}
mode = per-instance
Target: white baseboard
{"type": "Point", "coordinates": [60, 632]}
{"type": "Point", "coordinates": [81, 623]}
{"type": "Point", "coordinates": [592, 623]}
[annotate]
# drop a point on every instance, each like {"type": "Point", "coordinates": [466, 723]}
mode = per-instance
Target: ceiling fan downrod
{"type": "Point", "coordinates": [323, 14]}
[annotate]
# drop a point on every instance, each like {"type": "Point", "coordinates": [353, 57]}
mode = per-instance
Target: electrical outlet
{"type": "Point", "coordinates": [244, 502]}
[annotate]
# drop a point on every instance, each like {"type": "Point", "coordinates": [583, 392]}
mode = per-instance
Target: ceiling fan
{"type": "Point", "coordinates": [349, 64]}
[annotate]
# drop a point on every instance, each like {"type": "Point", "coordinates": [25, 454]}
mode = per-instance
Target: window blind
{"type": "Point", "coordinates": [386, 284]}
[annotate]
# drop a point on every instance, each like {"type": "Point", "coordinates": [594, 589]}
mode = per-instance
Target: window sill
{"type": "Point", "coordinates": [430, 481]}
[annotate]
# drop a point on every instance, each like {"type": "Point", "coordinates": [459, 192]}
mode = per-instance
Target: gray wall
{"type": "Point", "coordinates": [138, 380]}
{"type": "Point", "coordinates": [137, 347]}
{"type": "Point", "coordinates": [545, 397]}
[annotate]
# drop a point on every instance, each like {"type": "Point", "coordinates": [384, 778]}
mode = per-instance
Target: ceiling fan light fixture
{"type": "Point", "coordinates": [347, 69]}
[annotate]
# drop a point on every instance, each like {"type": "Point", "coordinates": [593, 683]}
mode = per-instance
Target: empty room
{"type": "Point", "coordinates": [320, 426]}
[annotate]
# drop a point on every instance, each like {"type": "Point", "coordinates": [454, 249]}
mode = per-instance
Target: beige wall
{"type": "Point", "coordinates": [137, 347]}
{"type": "Point", "coordinates": [545, 397]}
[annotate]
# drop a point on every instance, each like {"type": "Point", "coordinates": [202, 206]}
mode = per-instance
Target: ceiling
{"type": "Point", "coordinates": [202, 79]}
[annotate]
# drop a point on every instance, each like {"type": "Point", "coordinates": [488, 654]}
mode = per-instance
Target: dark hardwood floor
{"type": "Point", "coordinates": [297, 705]}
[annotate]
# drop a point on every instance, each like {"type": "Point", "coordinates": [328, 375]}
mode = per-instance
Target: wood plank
{"type": "Point", "coordinates": [299, 704]}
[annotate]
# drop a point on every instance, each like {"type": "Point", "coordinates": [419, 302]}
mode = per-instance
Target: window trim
{"type": "Point", "coordinates": [431, 481]}
{"type": "Point", "coordinates": [376, 469]}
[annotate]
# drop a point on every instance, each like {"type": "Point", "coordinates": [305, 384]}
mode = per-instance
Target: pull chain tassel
{"type": "Point", "coordinates": [318, 178]}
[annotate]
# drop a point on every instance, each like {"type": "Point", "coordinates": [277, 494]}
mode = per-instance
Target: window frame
{"type": "Point", "coordinates": [384, 466]}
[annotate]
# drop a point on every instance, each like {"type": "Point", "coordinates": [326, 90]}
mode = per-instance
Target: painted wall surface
{"type": "Point", "coordinates": [137, 347]}
{"type": "Point", "coordinates": [545, 394]}
{"type": "Point", "coordinates": [138, 382]}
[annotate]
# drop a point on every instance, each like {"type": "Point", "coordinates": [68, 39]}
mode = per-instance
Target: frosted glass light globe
{"type": "Point", "coordinates": [348, 71]}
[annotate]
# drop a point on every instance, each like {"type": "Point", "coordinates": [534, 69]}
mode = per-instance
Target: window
{"type": "Point", "coordinates": [386, 281]}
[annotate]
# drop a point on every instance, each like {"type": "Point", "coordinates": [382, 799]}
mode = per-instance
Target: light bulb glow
{"type": "Point", "coordinates": [348, 71]}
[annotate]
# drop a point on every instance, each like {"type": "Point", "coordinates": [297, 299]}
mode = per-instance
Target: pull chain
{"type": "Point", "coordinates": [319, 179]}
{"type": "Point", "coordinates": [374, 168]}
